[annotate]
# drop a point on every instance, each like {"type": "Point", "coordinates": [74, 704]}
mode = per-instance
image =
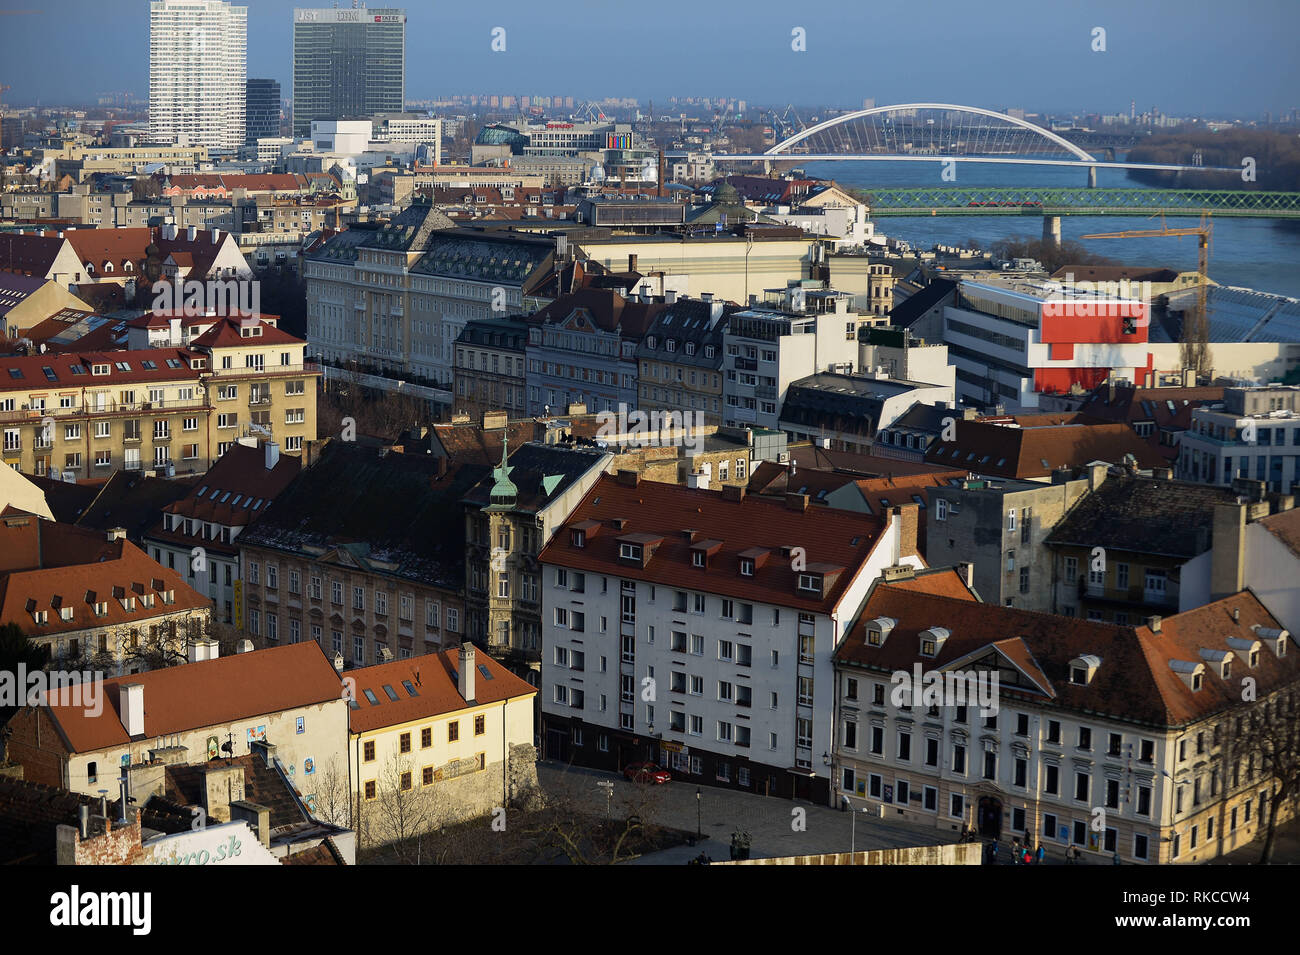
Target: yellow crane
{"type": "Point", "coordinates": [1196, 330]}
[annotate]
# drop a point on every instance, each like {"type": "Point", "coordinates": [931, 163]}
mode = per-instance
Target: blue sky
{"type": "Point", "coordinates": [1181, 56]}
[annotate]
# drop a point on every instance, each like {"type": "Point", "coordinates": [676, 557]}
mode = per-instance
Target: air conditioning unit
{"type": "Point", "coordinates": [783, 457]}
{"type": "Point", "coordinates": [69, 477]}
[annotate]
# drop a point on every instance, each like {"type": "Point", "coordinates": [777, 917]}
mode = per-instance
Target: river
{"type": "Point", "coordinates": [1262, 254]}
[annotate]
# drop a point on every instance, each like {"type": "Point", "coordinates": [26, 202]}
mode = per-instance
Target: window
{"type": "Point", "coordinates": [480, 725]}
{"type": "Point", "coordinates": [453, 731]}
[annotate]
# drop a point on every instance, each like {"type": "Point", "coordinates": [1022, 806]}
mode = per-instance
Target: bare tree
{"type": "Point", "coordinates": [1269, 741]}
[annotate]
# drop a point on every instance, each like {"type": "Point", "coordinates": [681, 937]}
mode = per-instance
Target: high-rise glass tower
{"type": "Point", "coordinates": [197, 67]}
{"type": "Point", "coordinates": [263, 110]}
{"type": "Point", "coordinates": [347, 64]}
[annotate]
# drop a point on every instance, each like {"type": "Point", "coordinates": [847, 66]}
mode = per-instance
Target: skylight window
{"type": "Point", "coordinates": [149, 366]}
{"type": "Point", "coordinates": [77, 370]}
{"type": "Point", "coordinates": [392, 694]}
{"type": "Point", "coordinates": [203, 490]}
{"type": "Point", "coordinates": [410, 690]}
{"type": "Point", "coordinates": [49, 373]}
{"type": "Point", "coordinates": [487, 674]}
{"type": "Point", "coordinates": [370, 696]}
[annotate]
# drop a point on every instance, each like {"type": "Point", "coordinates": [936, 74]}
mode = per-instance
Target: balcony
{"type": "Point", "coordinates": [306, 368]}
{"type": "Point", "coordinates": [256, 399]}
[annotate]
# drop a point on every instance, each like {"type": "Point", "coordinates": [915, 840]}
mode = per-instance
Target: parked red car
{"type": "Point", "coordinates": [646, 773]}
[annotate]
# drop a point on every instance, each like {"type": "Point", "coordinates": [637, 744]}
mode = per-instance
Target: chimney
{"type": "Point", "coordinates": [1096, 475]}
{"type": "Point", "coordinates": [631, 262]}
{"type": "Point", "coordinates": [260, 747]}
{"type": "Point", "coordinates": [628, 478]}
{"type": "Point", "coordinates": [1236, 615]}
{"type": "Point", "coordinates": [192, 233]}
{"type": "Point", "coordinates": [83, 821]}
{"type": "Point", "coordinates": [130, 704]}
{"type": "Point", "coordinates": [706, 296]}
{"type": "Point", "coordinates": [733, 492]}
{"type": "Point", "coordinates": [1153, 623]}
{"type": "Point", "coordinates": [271, 454]}
{"type": "Point", "coordinates": [216, 236]}
{"type": "Point", "coordinates": [796, 502]}
{"type": "Point", "coordinates": [966, 571]}
{"type": "Point", "coordinates": [257, 816]}
{"type": "Point", "coordinates": [465, 678]}
{"type": "Point", "coordinates": [244, 646]}
{"type": "Point", "coordinates": [1189, 377]}
{"type": "Point", "coordinates": [908, 517]}
{"type": "Point", "coordinates": [201, 650]}
{"type": "Point", "coordinates": [670, 296]}
{"type": "Point", "coordinates": [338, 662]}
{"type": "Point", "coordinates": [1227, 550]}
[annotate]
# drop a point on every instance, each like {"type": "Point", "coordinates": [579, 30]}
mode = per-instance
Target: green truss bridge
{"type": "Point", "coordinates": [1061, 201]}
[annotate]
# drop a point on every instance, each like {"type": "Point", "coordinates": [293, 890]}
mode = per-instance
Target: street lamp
{"type": "Point", "coordinates": [699, 832]}
{"type": "Point", "coordinates": [608, 786]}
{"type": "Point", "coordinates": [853, 825]}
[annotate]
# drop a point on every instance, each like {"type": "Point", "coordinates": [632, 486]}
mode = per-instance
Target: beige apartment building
{"type": "Point", "coordinates": [434, 741]}
{"type": "Point", "coordinates": [1128, 744]}
{"type": "Point", "coordinates": [169, 410]}
{"type": "Point", "coordinates": [94, 600]}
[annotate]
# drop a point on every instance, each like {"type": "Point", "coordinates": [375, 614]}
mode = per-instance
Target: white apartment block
{"type": "Point", "coordinates": [702, 648]}
{"type": "Point", "coordinates": [801, 332]}
{"type": "Point", "coordinates": [197, 68]}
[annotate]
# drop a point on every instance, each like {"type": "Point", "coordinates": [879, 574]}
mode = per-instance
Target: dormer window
{"type": "Point", "coordinates": [746, 567]}
{"type": "Point", "coordinates": [932, 641]}
{"type": "Point", "coordinates": [651, 341]}
{"type": "Point", "coordinates": [697, 558]}
{"type": "Point", "coordinates": [1083, 668]}
{"type": "Point", "coordinates": [579, 538]}
{"type": "Point", "coordinates": [810, 582]}
{"type": "Point", "coordinates": [1192, 674]}
{"type": "Point", "coordinates": [630, 552]}
{"type": "Point", "coordinates": [1221, 660]}
{"type": "Point", "coordinates": [878, 630]}
{"type": "Point", "coordinates": [672, 345]}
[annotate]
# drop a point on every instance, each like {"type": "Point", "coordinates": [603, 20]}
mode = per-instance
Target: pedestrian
{"type": "Point", "coordinates": [1029, 857]}
{"type": "Point", "coordinates": [1115, 859]}
{"type": "Point", "coordinates": [1040, 853]}
{"type": "Point", "coordinates": [993, 851]}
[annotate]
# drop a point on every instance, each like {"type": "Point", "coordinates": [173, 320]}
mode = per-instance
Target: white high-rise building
{"type": "Point", "coordinates": [197, 71]}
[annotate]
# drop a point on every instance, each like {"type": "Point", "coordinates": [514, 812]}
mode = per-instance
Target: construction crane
{"type": "Point", "coordinates": [1196, 330]}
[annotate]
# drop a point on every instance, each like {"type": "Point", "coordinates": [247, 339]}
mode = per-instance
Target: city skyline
{"type": "Point", "coordinates": [730, 52]}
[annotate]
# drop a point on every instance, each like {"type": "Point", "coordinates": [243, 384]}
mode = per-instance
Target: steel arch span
{"type": "Point", "coordinates": [1015, 136]}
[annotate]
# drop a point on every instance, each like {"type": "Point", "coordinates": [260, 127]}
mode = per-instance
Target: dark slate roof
{"type": "Point", "coordinates": [342, 246]}
{"type": "Point", "coordinates": [910, 309]}
{"type": "Point", "coordinates": [1144, 516]}
{"type": "Point", "coordinates": [927, 419]}
{"type": "Point", "coordinates": [530, 465]}
{"type": "Point", "coordinates": [133, 501]}
{"type": "Point", "coordinates": [391, 508]}
{"type": "Point", "coordinates": [607, 310]}
{"type": "Point", "coordinates": [67, 500]}
{"type": "Point", "coordinates": [484, 256]}
{"type": "Point", "coordinates": [30, 814]}
{"type": "Point", "coordinates": [686, 320]}
{"type": "Point", "coordinates": [848, 403]}
{"type": "Point", "coordinates": [262, 784]}
{"type": "Point", "coordinates": [510, 333]}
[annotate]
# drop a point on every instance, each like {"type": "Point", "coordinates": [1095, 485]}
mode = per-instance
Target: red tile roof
{"type": "Point", "coordinates": [1285, 526]}
{"type": "Point", "coordinates": [832, 537]}
{"type": "Point", "coordinates": [193, 696]}
{"type": "Point", "coordinates": [226, 494]}
{"type": "Point", "coordinates": [76, 569]}
{"type": "Point", "coordinates": [433, 678]}
{"type": "Point", "coordinates": [226, 334]}
{"type": "Point", "coordinates": [1035, 451]}
{"type": "Point", "coordinates": [1135, 681]}
{"type": "Point", "coordinates": [33, 377]}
